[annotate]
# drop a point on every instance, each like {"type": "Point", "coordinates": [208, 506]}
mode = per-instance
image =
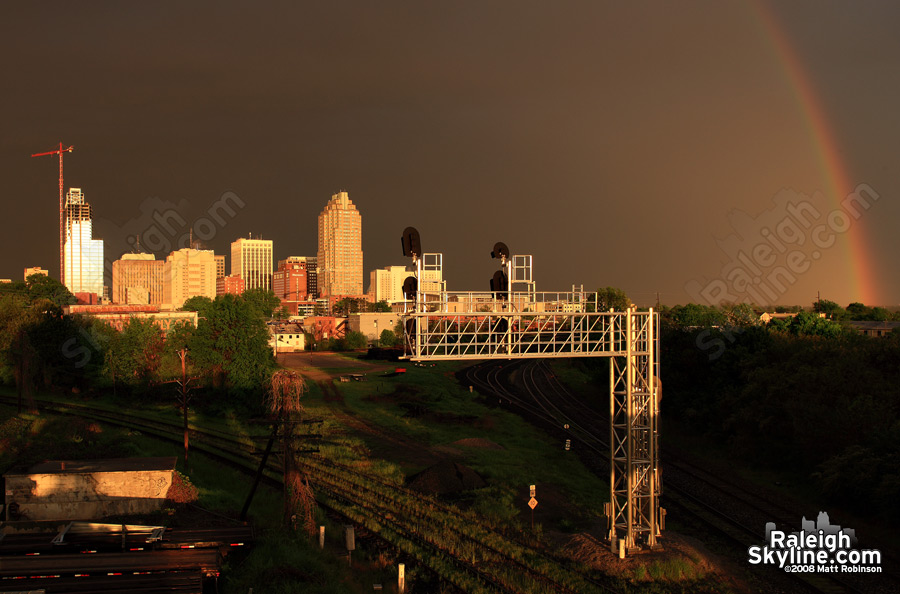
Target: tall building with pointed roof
{"type": "Point", "coordinates": [340, 255]}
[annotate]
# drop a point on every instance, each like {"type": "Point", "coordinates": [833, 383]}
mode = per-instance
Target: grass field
{"type": "Point", "coordinates": [428, 406]}
{"type": "Point", "coordinates": [388, 427]}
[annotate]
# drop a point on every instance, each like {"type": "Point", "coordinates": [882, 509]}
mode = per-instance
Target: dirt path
{"type": "Point", "coordinates": [384, 445]}
{"type": "Point", "coordinates": [324, 366]}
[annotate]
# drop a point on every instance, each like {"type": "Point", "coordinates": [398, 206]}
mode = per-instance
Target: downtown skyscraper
{"type": "Point", "coordinates": [82, 254]}
{"type": "Point", "coordinates": [251, 259]}
{"type": "Point", "coordinates": [340, 255]}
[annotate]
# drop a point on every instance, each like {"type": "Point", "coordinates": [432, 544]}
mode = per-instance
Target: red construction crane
{"type": "Point", "coordinates": [62, 239]}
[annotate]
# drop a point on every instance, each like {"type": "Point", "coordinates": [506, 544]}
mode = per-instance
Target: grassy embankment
{"type": "Point", "coordinates": [424, 409]}
{"type": "Point", "coordinates": [427, 406]}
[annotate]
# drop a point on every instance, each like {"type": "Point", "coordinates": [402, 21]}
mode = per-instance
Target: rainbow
{"type": "Point", "coordinates": [858, 258]}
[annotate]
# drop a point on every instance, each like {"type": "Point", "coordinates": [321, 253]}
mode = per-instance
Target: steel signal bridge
{"type": "Point", "coordinates": [513, 321]}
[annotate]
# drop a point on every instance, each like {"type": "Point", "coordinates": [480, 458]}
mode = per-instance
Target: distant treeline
{"type": "Point", "coordinates": [42, 349]}
{"type": "Point", "coordinates": [803, 395]}
{"type": "Point", "coordinates": [227, 353]}
{"type": "Point", "coordinates": [694, 314]}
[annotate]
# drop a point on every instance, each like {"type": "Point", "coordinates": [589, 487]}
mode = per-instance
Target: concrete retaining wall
{"type": "Point", "coordinates": [88, 490]}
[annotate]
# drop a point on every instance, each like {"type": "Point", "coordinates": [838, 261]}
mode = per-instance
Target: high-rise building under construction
{"type": "Point", "coordinates": [83, 255]}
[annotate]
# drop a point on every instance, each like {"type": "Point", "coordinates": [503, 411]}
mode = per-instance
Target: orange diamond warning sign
{"type": "Point", "coordinates": [532, 503]}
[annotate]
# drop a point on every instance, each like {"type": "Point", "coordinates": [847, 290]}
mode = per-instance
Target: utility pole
{"type": "Point", "coordinates": [184, 395]}
{"type": "Point", "coordinates": [62, 240]}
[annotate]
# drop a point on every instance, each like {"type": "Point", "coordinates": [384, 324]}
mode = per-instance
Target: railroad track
{"type": "Point", "coordinates": [723, 506]}
{"type": "Point", "coordinates": [456, 545]}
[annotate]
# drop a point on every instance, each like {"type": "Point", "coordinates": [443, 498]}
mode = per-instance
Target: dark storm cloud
{"type": "Point", "coordinates": [611, 142]}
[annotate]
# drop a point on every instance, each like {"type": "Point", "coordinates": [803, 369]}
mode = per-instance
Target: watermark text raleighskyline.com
{"type": "Point", "coordinates": [819, 548]}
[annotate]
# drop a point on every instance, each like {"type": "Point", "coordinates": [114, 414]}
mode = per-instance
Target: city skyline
{"type": "Point", "coordinates": [558, 130]}
{"type": "Point", "coordinates": [260, 252]}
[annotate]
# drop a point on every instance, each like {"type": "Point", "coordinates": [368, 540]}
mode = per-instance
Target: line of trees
{"type": "Point", "coordinates": [694, 315]}
{"type": "Point", "coordinates": [41, 348]}
{"type": "Point", "coordinates": [805, 394]}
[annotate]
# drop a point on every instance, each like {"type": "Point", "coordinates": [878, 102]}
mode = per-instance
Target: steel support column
{"type": "Point", "coordinates": [634, 485]}
{"type": "Point", "coordinates": [558, 326]}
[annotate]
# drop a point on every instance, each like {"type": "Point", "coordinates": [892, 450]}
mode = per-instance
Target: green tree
{"type": "Point", "coordinates": [262, 300]}
{"type": "Point", "coordinates": [880, 314]}
{"type": "Point", "coordinates": [135, 354]}
{"type": "Point", "coordinates": [16, 353]}
{"type": "Point", "coordinates": [17, 289]}
{"type": "Point", "coordinates": [40, 286]}
{"type": "Point", "coordinates": [695, 315]}
{"type": "Point", "coordinates": [387, 338]}
{"type": "Point", "coordinates": [831, 309]}
{"type": "Point", "coordinates": [178, 337]}
{"type": "Point", "coordinates": [309, 341]}
{"type": "Point", "coordinates": [68, 350]}
{"type": "Point", "coordinates": [355, 340]}
{"type": "Point", "coordinates": [609, 298]}
{"type": "Point", "coordinates": [198, 303]}
{"type": "Point", "coordinates": [380, 306]}
{"type": "Point", "coordinates": [810, 324]}
{"type": "Point", "coordinates": [858, 311]}
{"type": "Point", "coordinates": [740, 314]}
{"type": "Point", "coordinates": [232, 344]}
{"type": "Point", "coordinates": [347, 306]}
{"type": "Point", "coordinates": [37, 287]}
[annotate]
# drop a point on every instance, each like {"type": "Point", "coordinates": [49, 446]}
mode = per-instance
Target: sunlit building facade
{"type": "Point", "coordinates": [188, 273]}
{"type": "Point", "coordinates": [220, 265]}
{"type": "Point", "coordinates": [386, 284]}
{"type": "Point", "coordinates": [312, 277]}
{"type": "Point", "coordinates": [251, 259]}
{"type": "Point", "coordinates": [340, 255]}
{"type": "Point", "coordinates": [137, 279]}
{"type": "Point", "coordinates": [82, 254]}
{"type": "Point", "coordinates": [289, 281]}
{"type": "Point", "coordinates": [229, 285]}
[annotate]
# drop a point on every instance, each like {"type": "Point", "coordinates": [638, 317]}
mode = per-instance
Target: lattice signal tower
{"type": "Point", "coordinates": [508, 324]}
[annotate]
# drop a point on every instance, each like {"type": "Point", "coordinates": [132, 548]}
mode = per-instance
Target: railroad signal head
{"type": "Point", "coordinates": [411, 242]}
{"type": "Point", "coordinates": [410, 288]}
{"type": "Point", "coordinates": [499, 285]}
{"type": "Point", "coordinates": [500, 252]}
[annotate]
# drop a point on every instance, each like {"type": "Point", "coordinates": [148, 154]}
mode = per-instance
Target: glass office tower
{"type": "Point", "coordinates": [83, 255]}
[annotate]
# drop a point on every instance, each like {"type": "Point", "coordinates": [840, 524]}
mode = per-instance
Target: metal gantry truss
{"type": "Point", "coordinates": [445, 325]}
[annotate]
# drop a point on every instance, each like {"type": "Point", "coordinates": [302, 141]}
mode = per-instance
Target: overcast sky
{"type": "Point", "coordinates": [644, 147]}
